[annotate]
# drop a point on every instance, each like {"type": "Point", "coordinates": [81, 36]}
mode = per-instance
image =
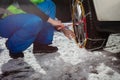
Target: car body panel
{"type": "Point", "coordinates": [107, 10]}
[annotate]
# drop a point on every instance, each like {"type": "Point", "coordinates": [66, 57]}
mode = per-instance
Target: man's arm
{"type": "Point", "coordinates": [29, 7]}
{"type": "Point", "coordinates": [3, 5]}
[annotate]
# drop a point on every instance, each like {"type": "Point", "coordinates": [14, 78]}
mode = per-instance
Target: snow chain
{"type": "Point", "coordinates": [83, 44]}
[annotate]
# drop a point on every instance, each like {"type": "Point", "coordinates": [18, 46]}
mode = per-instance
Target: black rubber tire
{"type": "Point", "coordinates": [94, 39]}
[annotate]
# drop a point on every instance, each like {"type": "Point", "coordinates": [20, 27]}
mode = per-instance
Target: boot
{"type": "Point", "coordinates": [43, 48]}
{"type": "Point", "coordinates": [16, 55]}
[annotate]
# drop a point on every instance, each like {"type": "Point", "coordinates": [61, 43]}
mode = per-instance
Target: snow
{"type": "Point", "coordinates": [69, 63]}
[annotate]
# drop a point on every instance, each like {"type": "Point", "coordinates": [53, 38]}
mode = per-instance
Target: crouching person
{"type": "Point", "coordinates": [25, 22]}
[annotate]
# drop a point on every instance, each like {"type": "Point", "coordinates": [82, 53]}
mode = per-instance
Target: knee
{"type": "Point", "coordinates": [34, 25]}
{"type": "Point", "coordinates": [35, 18]}
{"type": "Point", "coordinates": [34, 21]}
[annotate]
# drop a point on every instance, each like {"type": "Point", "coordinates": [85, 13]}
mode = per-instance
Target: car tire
{"type": "Point", "coordinates": [86, 34]}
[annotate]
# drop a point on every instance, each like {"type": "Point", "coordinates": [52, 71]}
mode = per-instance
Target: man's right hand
{"type": "Point", "coordinates": [56, 23]}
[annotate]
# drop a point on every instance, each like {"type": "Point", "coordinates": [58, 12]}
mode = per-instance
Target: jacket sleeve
{"type": "Point", "coordinates": [4, 4]}
{"type": "Point", "coordinates": [29, 7]}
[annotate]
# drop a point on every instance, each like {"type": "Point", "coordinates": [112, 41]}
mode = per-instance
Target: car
{"type": "Point", "coordinates": [93, 21]}
{"type": "Point", "coordinates": [63, 10]}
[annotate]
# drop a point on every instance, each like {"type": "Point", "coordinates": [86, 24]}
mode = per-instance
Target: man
{"type": "Point", "coordinates": [32, 25]}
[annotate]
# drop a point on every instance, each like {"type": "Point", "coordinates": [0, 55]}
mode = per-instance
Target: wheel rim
{"type": "Point", "coordinates": [79, 24]}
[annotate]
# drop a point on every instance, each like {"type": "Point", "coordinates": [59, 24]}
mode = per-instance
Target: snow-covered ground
{"type": "Point", "coordinates": [69, 63]}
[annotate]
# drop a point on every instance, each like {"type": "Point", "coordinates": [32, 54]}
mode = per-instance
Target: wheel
{"type": "Point", "coordinates": [84, 26]}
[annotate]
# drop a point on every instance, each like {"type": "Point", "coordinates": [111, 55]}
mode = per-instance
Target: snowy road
{"type": "Point", "coordinates": [69, 63]}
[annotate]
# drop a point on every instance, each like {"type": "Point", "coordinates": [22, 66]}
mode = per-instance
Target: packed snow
{"type": "Point", "coordinates": [69, 63]}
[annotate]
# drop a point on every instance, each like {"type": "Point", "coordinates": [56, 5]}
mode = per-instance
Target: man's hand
{"type": "Point", "coordinates": [56, 23]}
{"type": "Point", "coordinates": [59, 26]}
